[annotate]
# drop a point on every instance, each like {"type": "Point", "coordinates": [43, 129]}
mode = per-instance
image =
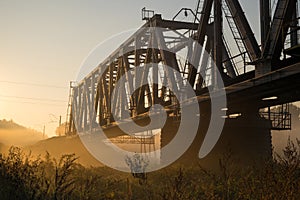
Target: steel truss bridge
{"type": "Point", "coordinates": [256, 74]}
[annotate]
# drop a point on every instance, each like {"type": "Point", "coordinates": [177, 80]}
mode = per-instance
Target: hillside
{"type": "Point", "coordinates": [10, 125]}
{"type": "Point", "coordinates": [13, 134]}
{"type": "Point", "coordinates": [31, 141]}
{"type": "Point", "coordinates": [58, 146]}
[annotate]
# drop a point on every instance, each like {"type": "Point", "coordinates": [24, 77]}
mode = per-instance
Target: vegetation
{"type": "Point", "coordinates": [46, 178]}
{"type": "Point", "coordinates": [13, 133]}
{"type": "Point", "coordinates": [5, 124]}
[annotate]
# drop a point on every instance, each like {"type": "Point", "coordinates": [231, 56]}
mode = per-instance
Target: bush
{"type": "Point", "coordinates": [22, 177]}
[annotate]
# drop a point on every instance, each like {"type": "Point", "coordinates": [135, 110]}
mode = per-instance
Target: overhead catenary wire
{"type": "Point", "coordinates": [33, 103]}
{"type": "Point", "coordinates": [33, 84]}
{"type": "Point", "coordinates": [33, 98]}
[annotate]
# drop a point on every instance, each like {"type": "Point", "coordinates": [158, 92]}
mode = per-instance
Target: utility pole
{"type": "Point", "coordinates": [44, 131]}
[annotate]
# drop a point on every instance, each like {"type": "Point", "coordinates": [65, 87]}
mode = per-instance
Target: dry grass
{"type": "Point", "coordinates": [48, 178]}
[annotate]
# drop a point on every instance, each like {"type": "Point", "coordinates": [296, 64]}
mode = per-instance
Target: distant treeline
{"type": "Point", "coordinates": [5, 124]}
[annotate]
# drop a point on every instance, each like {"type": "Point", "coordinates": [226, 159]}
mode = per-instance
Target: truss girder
{"type": "Point", "coordinates": [96, 99]}
{"type": "Point", "coordinates": [274, 43]}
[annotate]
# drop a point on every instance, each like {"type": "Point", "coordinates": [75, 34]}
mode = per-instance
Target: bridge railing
{"type": "Point", "coordinates": [280, 117]}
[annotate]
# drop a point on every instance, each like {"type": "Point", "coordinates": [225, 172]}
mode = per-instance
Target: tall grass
{"type": "Point", "coordinates": [22, 177]}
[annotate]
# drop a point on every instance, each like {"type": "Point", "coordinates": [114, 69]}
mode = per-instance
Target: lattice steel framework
{"type": "Point", "coordinates": [96, 97]}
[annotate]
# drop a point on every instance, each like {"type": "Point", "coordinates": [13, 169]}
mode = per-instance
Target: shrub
{"type": "Point", "coordinates": [22, 177]}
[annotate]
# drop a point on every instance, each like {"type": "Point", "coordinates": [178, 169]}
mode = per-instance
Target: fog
{"type": "Point", "coordinates": [33, 142]}
{"type": "Point", "coordinates": [280, 138]}
{"type": "Point", "coordinates": [19, 137]}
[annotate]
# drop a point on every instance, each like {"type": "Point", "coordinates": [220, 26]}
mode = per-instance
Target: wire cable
{"type": "Point", "coordinates": [32, 103]}
{"type": "Point", "coordinates": [30, 98]}
{"type": "Point", "coordinates": [33, 84]}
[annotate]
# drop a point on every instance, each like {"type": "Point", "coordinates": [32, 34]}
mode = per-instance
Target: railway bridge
{"type": "Point", "coordinates": [259, 79]}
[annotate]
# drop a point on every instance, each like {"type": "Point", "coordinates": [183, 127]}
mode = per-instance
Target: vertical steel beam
{"type": "Point", "coordinates": [75, 107]}
{"type": "Point", "coordinates": [106, 101]}
{"type": "Point", "coordinates": [294, 27]}
{"type": "Point", "coordinates": [122, 97]}
{"type": "Point", "coordinates": [84, 106]}
{"type": "Point", "coordinates": [139, 80]}
{"type": "Point", "coordinates": [137, 62]}
{"type": "Point", "coordinates": [155, 76]}
{"type": "Point", "coordinates": [81, 108]}
{"type": "Point", "coordinates": [169, 59]}
{"type": "Point", "coordinates": [115, 91]}
{"type": "Point", "coordinates": [110, 91]}
{"type": "Point", "coordinates": [129, 80]}
{"type": "Point", "coordinates": [88, 112]}
{"type": "Point", "coordinates": [204, 63]}
{"type": "Point", "coordinates": [218, 37]}
{"type": "Point", "coordinates": [201, 32]}
{"type": "Point", "coordinates": [265, 20]}
{"type": "Point", "coordinates": [93, 102]}
{"type": "Point", "coordinates": [98, 102]}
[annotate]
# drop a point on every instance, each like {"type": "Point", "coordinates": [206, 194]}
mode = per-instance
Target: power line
{"type": "Point", "coordinates": [30, 98]}
{"type": "Point", "coordinates": [33, 103]}
{"type": "Point", "coordinates": [33, 84]}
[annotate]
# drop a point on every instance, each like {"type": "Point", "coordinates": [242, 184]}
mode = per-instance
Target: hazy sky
{"type": "Point", "coordinates": [44, 42]}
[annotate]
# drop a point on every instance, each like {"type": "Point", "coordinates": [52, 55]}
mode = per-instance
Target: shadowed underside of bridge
{"type": "Point", "coordinates": [258, 77]}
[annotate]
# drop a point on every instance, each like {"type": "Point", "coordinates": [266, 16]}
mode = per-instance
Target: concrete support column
{"type": "Point", "coordinates": [246, 138]}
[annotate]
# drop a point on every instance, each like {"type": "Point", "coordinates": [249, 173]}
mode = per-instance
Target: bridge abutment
{"type": "Point", "coordinates": [246, 139]}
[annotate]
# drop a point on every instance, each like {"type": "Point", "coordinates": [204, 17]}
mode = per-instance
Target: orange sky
{"type": "Point", "coordinates": [43, 44]}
